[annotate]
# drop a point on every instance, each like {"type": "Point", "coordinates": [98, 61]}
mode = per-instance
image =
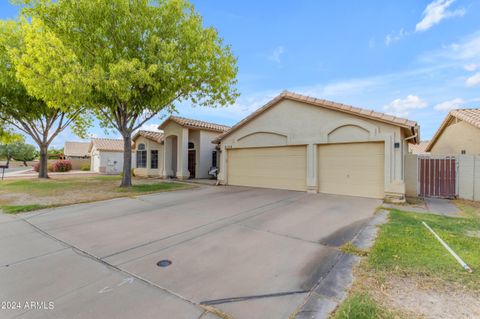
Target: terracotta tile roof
{"type": "Point", "coordinates": [370, 114]}
{"type": "Point", "coordinates": [154, 136]}
{"type": "Point", "coordinates": [195, 124]}
{"type": "Point", "coordinates": [470, 116]}
{"type": "Point", "coordinates": [418, 149]}
{"type": "Point", "coordinates": [107, 144]}
{"type": "Point", "coordinates": [79, 149]}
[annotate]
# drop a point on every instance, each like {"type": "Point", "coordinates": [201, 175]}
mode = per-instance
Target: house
{"type": "Point", "coordinates": [302, 143]}
{"type": "Point", "coordinates": [77, 153]}
{"type": "Point", "coordinates": [185, 150]}
{"type": "Point", "coordinates": [458, 134]}
{"type": "Point", "coordinates": [74, 150]}
{"type": "Point", "coordinates": [149, 153]}
{"type": "Point", "coordinates": [107, 155]}
{"type": "Point", "coordinates": [418, 149]}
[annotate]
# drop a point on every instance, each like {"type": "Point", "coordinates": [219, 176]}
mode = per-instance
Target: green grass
{"type": "Point", "coordinates": [15, 209]}
{"type": "Point", "coordinates": [156, 187]}
{"type": "Point", "coordinates": [361, 306]}
{"type": "Point", "coordinates": [37, 185]}
{"type": "Point", "coordinates": [405, 246]}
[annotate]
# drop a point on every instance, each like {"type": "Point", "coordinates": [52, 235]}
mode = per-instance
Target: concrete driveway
{"type": "Point", "coordinates": [249, 253]}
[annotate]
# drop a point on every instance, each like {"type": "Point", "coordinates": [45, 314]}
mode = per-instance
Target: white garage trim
{"type": "Point", "coordinates": [270, 167]}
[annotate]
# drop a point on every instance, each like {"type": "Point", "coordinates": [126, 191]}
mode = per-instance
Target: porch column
{"type": "Point", "coordinates": [312, 186]}
{"type": "Point", "coordinates": [167, 158]}
{"type": "Point", "coordinates": [182, 155]}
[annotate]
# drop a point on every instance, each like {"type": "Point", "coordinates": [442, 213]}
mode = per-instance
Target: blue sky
{"type": "Point", "coordinates": [415, 59]}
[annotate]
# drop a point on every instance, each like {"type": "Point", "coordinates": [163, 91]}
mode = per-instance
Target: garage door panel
{"type": "Point", "coordinates": [275, 167]}
{"type": "Point", "coordinates": [352, 169]}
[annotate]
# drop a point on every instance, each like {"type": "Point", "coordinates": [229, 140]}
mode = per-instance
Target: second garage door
{"type": "Point", "coordinates": [270, 167]}
{"type": "Point", "coordinates": [352, 169]}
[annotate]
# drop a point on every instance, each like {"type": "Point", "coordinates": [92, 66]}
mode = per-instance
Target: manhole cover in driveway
{"type": "Point", "coordinates": [164, 263]}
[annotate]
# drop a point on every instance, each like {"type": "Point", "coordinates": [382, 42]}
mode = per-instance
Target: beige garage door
{"type": "Point", "coordinates": [270, 167]}
{"type": "Point", "coordinates": [351, 169]}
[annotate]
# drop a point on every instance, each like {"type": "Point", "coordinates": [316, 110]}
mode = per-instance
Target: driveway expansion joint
{"type": "Point", "coordinates": [95, 258]}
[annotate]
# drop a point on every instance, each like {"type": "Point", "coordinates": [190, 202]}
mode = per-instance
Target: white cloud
{"type": "Point", "coordinates": [153, 127]}
{"type": "Point", "coordinates": [276, 55]}
{"type": "Point", "coordinates": [449, 105]}
{"type": "Point", "coordinates": [474, 80]}
{"type": "Point", "coordinates": [435, 12]}
{"type": "Point", "coordinates": [393, 36]}
{"type": "Point", "coordinates": [402, 107]}
{"type": "Point", "coordinates": [471, 67]}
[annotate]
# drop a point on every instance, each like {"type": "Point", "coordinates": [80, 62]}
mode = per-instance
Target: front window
{"type": "Point", "coordinates": [141, 156]}
{"type": "Point", "coordinates": [154, 159]}
{"type": "Point", "coordinates": [214, 159]}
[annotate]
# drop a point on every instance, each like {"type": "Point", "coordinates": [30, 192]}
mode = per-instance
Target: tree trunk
{"type": "Point", "coordinates": [127, 160]}
{"type": "Point", "coordinates": [43, 168]}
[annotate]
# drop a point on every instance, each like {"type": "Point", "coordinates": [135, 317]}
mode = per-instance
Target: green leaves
{"type": "Point", "coordinates": [124, 58]}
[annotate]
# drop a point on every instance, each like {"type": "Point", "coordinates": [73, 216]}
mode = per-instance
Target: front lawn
{"type": "Point", "coordinates": [24, 195]}
{"type": "Point", "coordinates": [405, 245]}
{"type": "Point", "coordinates": [407, 268]}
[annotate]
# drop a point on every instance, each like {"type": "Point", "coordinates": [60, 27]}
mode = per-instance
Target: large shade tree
{"type": "Point", "coordinates": [127, 60]}
{"type": "Point", "coordinates": [23, 111]}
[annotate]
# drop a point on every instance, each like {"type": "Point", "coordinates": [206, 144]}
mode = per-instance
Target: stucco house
{"type": "Point", "coordinates": [184, 150]}
{"type": "Point", "coordinates": [419, 149]}
{"type": "Point", "coordinates": [77, 153]}
{"type": "Point", "coordinates": [107, 156]}
{"type": "Point", "coordinates": [302, 143]}
{"type": "Point", "coordinates": [148, 148]}
{"type": "Point", "coordinates": [74, 150]}
{"type": "Point", "coordinates": [458, 134]}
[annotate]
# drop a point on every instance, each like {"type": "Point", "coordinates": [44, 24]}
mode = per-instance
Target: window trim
{"type": "Point", "coordinates": [141, 156]}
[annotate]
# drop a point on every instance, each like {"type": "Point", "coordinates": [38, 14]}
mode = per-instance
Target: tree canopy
{"type": "Point", "coordinates": [18, 151]}
{"type": "Point", "coordinates": [125, 60]}
{"type": "Point", "coordinates": [19, 107]}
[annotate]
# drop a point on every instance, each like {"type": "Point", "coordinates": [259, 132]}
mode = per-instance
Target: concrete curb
{"type": "Point", "coordinates": [331, 290]}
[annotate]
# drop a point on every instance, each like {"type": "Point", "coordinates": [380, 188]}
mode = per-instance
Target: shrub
{"type": "Point", "coordinates": [62, 166]}
{"type": "Point", "coordinates": [36, 167]}
{"type": "Point", "coordinates": [85, 167]}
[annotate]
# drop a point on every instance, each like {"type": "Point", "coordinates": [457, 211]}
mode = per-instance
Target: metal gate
{"type": "Point", "coordinates": [437, 176]}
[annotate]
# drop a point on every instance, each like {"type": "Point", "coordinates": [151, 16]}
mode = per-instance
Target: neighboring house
{"type": "Point", "coordinates": [458, 134]}
{"type": "Point", "coordinates": [76, 150]}
{"type": "Point", "coordinates": [77, 153]}
{"type": "Point", "coordinates": [185, 150]}
{"type": "Point", "coordinates": [301, 143]}
{"type": "Point", "coordinates": [419, 149]}
{"type": "Point", "coordinates": [107, 156]}
{"type": "Point", "coordinates": [149, 153]}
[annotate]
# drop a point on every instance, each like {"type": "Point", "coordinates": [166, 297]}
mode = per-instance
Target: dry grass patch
{"type": "Point", "coordinates": [26, 194]}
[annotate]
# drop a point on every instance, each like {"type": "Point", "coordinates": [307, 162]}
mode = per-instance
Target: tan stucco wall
{"type": "Point", "coordinates": [149, 146]}
{"type": "Point", "coordinates": [295, 123]}
{"type": "Point", "coordinates": [457, 137]}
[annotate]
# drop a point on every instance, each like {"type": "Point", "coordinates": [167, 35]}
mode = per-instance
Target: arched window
{"type": "Point", "coordinates": [191, 146]}
{"type": "Point", "coordinates": [141, 156]}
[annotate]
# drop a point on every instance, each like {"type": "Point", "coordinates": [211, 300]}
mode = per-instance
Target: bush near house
{"type": "Point", "coordinates": [85, 167]}
{"type": "Point", "coordinates": [58, 166]}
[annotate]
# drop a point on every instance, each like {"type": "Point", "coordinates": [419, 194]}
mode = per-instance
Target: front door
{"type": "Point", "coordinates": [192, 162]}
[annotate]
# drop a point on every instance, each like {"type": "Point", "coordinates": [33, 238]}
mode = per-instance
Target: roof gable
{"type": "Point", "coordinates": [153, 136]}
{"type": "Point", "coordinates": [348, 109]}
{"type": "Point", "coordinates": [470, 116]}
{"type": "Point", "coordinates": [195, 124]}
